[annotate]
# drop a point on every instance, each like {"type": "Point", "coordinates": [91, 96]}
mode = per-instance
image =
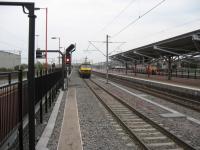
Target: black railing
{"type": "Point", "coordinates": [47, 84]}
{"type": "Point", "coordinates": [8, 109]}
{"type": "Point", "coordinates": [179, 73]}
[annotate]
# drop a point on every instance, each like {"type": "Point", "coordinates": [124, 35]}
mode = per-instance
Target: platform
{"type": "Point", "coordinates": [182, 88]}
{"type": "Point", "coordinates": [83, 123]}
{"type": "Point", "coordinates": [187, 82]}
{"type": "Point", "coordinates": [70, 136]}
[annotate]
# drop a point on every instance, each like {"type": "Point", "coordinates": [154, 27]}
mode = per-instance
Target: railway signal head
{"type": "Point", "coordinates": [68, 53]}
{"type": "Point", "coordinates": [68, 59]}
{"type": "Point", "coordinates": [70, 48]}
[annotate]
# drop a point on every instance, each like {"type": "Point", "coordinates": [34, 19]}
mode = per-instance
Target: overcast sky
{"type": "Point", "coordinates": [80, 21]}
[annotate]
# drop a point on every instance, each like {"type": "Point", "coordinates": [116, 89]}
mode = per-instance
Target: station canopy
{"type": "Point", "coordinates": [185, 47]}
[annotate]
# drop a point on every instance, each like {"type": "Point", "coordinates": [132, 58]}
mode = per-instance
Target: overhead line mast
{"type": "Point", "coordinates": [106, 55]}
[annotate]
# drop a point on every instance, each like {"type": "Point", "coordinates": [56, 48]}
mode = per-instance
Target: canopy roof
{"type": "Point", "coordinates": [185, 45]}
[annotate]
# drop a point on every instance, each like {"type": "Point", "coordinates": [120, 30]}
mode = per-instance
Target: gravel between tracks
{"type": "Point", "coordinates": [97, 131]}
{"type": "Point", "coordinates": [180, 126]}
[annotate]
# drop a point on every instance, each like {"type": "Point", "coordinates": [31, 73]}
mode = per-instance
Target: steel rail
{"type": "Point", "coordinates": [171, 136]}
{"type": "Point", "coordinates": [133, 136]}
{"type": "Point", "coordinates": [187, 103]}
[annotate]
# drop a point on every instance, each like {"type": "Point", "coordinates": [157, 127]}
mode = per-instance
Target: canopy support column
{"type": "Point", "coordinates": [169, 68]}
{"type": "Point", "coordinates": [135, 67]}
{"type": "Point", "coordinates": [126, 66]}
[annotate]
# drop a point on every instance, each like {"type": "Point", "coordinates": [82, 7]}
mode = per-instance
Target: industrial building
{"type": "Point", "coordinates": [9, 60]}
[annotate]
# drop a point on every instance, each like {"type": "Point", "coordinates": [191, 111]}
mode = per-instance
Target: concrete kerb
{"type": "Point", "coordinates": [42, 143]}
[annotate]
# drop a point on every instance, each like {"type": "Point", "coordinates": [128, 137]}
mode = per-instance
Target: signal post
{"type": "Point", "coordinates": [68, 59]}
{"type": "Point", "coordinates": [65, 60]}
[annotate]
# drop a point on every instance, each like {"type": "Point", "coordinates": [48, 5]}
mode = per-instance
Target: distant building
{"type": "Point", "coordinates": [9, 60]}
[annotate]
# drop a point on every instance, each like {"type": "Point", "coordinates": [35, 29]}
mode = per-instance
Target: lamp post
{"type": "Point", "coordinates": [31, 71]}
{"type": "Point", "coordinates": [58, 46]}
{"type": "Point", "coordinates": [46, 35]}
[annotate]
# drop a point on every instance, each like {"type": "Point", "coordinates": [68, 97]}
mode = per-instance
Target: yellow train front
{"type": "Point", "coordinates": [85, 70]}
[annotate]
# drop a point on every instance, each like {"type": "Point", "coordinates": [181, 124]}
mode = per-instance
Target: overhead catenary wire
{"type": "Point", "coordinates": [116, 48]}
{"type": "Point", "coordinates": [140, 17]}
{"type": "Point", "coordinates": [177, 26]}
{"type": "Point", "coordinates": [118, 15]}
{"type": "Point", "coordinates": [121, 12]}
{"type": "Point", "coordinates": [168, 29]}
{"type": "Point", "coordinates": [97, 48]}
{"type": "Point", "coordinates": [88, 46]}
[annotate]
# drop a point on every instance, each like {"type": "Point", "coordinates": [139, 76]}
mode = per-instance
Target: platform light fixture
{"type": "Point", "coordinates": [59, 47]}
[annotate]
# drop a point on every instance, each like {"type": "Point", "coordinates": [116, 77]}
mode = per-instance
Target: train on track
{"type": "Point", "coordinates": [85, 70]}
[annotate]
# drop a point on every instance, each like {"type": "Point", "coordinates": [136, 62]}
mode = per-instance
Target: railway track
{"type": "Point", "coordinates": [148, 134]}
{"type": "Point", "coordinates": [186, 102]}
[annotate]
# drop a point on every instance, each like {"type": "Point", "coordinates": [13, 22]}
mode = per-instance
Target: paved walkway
{"type": "Point", "coordinates": [70, 137]}
{"type": "Point", "coordinates": [195, 83]}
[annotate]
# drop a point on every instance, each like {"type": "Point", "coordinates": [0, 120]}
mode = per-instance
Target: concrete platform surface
{"type": "Point", "coordinates": [173, 88]}
{"type": "Point", "coordinates": [70, 136]}
{"type": "Point", "coordinates": [189, 82]}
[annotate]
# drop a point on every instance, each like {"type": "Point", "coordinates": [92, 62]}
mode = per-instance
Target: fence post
{"type": "Point", "coordinates": [52, 96]}
{"type": "Point", "coordinates": [171, 72]}
{"type": "Point", "coordinates": [41, 111]}
{"type": "Point", "coordinates": [9, 78]}
{"type": "Point", "coordinates": [188, 73]}
{"type": "Point", "coordinates": [135, 68]}
{"type": "Point", "coordinates": [195, 74]}
{"type": "Point", "coordinates": [182, 73]}
{"type": "Point", "coordinates": [148, 70]}
{"type": "Point", "coordinates": [54, 91]}
{"type": "Point", "coordinates": [46, 104]}
{"type": "Point", "coordinates": [49, 96]}
{"type": "Point", "coordinates": [20, 128]}
{"type": "Point", "coordinates": [55, 88]}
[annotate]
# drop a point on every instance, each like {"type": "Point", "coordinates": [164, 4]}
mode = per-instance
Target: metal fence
{"type": "Point", "coordinates": [14, 98]}
{"type": "Point", "coordinates": [179, 73]}
{"type": "Point", "coordinates": [8, 109]}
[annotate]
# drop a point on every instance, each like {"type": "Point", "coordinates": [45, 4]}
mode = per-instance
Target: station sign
{"type": "Point", "coordinates": [40, 55]}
